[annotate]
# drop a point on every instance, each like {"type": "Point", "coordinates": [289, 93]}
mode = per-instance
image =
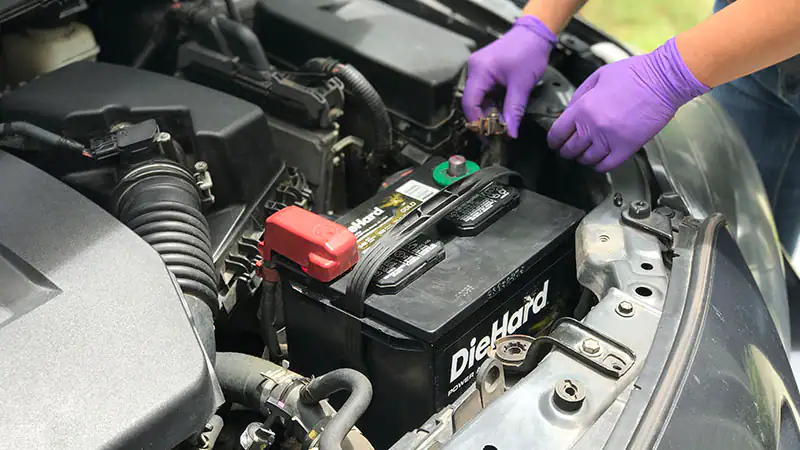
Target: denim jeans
{"type": "Point", "coordinates": [766, 108]}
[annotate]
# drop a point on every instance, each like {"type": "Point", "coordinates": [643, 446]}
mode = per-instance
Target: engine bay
{"type": "Point", "coordinates": [346, 258]}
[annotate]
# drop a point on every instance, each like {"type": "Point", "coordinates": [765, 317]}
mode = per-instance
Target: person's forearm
{"type": "Point", "coordinates": [553, 13]}
{"type": "Point", "coordinates": [743, 38]}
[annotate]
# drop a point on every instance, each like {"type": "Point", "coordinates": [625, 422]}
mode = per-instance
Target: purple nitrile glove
{"type": "Point", "coordinates": [622, 106]}
{"type": "Point", "coordinates": [517, 61]}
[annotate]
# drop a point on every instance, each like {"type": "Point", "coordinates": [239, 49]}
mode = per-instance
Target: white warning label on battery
{"type": "Point", "coordinates": [417, 190]}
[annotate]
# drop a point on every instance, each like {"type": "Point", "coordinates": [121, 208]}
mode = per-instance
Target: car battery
{"type": "Point", "coordinates": [502, 262]}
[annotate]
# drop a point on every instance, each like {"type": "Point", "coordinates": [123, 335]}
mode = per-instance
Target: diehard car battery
{"type": "Point", "coordinates": [500, 262]}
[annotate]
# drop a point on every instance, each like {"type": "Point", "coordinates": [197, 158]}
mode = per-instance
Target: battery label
{"type": "Point", "coordinates": [481, 210]}
{"type": "Point", "coordinates": [407, 264]}
{"type": "Point", "coordinates": [417, 191]}
{"type": "Point", "coordinates": [520, 315]}
{"type": "Point", "coordinates": [376, 222]}
{"type": "Point", "coordinates": [535, 303]}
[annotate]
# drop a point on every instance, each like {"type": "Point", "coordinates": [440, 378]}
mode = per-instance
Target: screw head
{"type": "Point", "coordinates": [569, 395]}
{"type": "Point", "coordinates": [618, 199]}
{"type": "Point", "coordinates": [639, 209]}
{"type": "Point", "coordinates": [201, 166]}
{"type": "Point", "coordinates": [590, 346]}
{"type": "Point", "coordinates": [625, 308]}
{"type": "Point", "coordinates": [163, 137]}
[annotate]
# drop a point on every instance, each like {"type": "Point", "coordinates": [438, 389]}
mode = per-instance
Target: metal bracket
{"type": "Point", "coordinates": [204, 182]}
{"type": "Point", "coordinates": [338, 149]}
{"type": "Point", "coordinates": [490, 381]}
{"type": "Point", "coordinates": [611, 359]}
{"type": "Point", "coordinates": [639, 215]}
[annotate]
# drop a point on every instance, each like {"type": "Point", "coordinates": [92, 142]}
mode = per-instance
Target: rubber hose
{"type": "Point", "coordinates": [240, 377]}
{"type": "Point", "coordinates": [359, 86]}
{"type": "Point", "coordinates": [40, 134]}
{"type": "Point", "coordinates": [159, 201]}
{"type": "Point", "coordinates": [360, 396]}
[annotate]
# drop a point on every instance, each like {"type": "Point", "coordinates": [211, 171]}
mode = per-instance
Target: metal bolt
{"type": "Point", "coordinates": [163, 137]}
{"type": "Point", "coordinates": [618, 199]}
{"type": "Point", "coordinates": [119, 126]}
{"type": "Point", "coordinates": [569, 395]}
{"type": "Point", "coordinates": [639, 209]}
{"type": "Point", "coordinates": [665, 211]}
{"type": "Point", "coordinates": [590, 346]}
{"type": "Point", "coordinates": [625, 308]}
{"type": "Point", "coordinates": [512, 350]}
{"type": "Point", "coordinates": [201, 166]}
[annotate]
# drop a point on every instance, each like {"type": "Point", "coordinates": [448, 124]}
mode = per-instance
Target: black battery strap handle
{"type": "Point", "coordinates": [415, 223]}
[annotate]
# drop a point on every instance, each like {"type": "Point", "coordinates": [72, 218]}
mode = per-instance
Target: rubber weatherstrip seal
{"type": "Point", "coordinates": [661, 404]}
{"type": "Point", "coordinates": [414, 224]}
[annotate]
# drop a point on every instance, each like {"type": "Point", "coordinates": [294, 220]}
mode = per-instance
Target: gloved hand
{"type": "Point", "coordinates": [622, 106]}
{"type": "Point", "coordinates": [517, 61]}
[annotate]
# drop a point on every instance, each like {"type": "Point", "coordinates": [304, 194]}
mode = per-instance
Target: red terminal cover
{"type": "Point", "coordinates": [324, 249]}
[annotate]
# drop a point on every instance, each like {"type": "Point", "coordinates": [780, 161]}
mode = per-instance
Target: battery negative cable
{"type": "Point", "coordinates": [412, 225]}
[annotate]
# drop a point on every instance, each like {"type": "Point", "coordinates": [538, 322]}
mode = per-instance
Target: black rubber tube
{"type": "Point", "coordinates": [358, 85]}
{"type": "Point", "coordinates": [360, 396]}
{"type": "Point", "coordinates": [40, 134]}
{"type": "Point", "coordinates": [269, 299]}
{"type": "Point", "coordinates": [159, 201]}
{"type": "Point", "coordinates": [240, 377]}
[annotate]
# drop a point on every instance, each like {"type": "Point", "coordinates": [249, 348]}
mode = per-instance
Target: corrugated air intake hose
{"type": "Point", "coordinates": [160, 202]}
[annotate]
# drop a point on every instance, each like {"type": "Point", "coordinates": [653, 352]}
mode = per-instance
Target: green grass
{"type": "Point", "coordinates": [646, 24]}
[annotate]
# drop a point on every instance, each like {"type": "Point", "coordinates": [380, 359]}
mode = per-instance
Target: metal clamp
{"type": "Point", "coordinates": [490, 125]}
{"type": "Point", "coordinates": [602, 353]}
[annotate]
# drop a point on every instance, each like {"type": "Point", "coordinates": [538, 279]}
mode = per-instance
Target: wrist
{"type": "Point", "coordinates": [555, 14]}
{"type": "Point", "coordinates": [536, 26]}
{"type": "Point", "coordinates": [679, 83]}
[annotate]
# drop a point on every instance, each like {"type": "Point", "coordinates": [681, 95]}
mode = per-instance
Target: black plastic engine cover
{"type": "Point", "coordinates": [233, 136]}
{"type": "Point", "coordinates": [97, 348]}
{"type": "Point", "coordinates": [393, 49]}
{"type": "Point", "coordinates": [230, 134]}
